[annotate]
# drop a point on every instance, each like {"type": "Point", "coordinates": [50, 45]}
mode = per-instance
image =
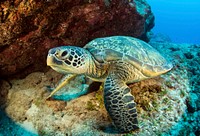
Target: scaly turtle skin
{"type": "Point", "coordinates": [116, 61]}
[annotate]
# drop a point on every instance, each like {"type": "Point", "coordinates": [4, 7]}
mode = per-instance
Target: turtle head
{"type": "Point", "coordinates": [68, 59]}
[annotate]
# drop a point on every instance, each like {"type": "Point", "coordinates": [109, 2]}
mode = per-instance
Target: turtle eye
{"type": "Point", "coordinates": [64, 53]}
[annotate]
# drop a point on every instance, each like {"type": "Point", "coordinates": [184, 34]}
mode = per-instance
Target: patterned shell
{"type": "Point", "coordinates": [134, 51]}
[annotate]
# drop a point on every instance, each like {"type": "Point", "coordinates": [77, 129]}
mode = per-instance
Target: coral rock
{"type": "Point", "coordinates": [28, 29]}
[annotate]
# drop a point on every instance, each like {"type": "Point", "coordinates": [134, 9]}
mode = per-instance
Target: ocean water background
{"type": "Point", "coordinates": [179, 19]}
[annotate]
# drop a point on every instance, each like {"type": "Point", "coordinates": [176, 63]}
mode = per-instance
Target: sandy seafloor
{"type": "Point", "coordinates": [168, 105]}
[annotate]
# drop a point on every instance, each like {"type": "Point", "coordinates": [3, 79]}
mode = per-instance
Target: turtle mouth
{"type": "Point", "coordinates": [52, 60]}
{"type": "Point", "coordinates": [56, 64]}
{"type": "Point", "coordinates": [59, 69]}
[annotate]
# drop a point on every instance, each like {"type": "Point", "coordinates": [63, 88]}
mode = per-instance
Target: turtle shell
{"type": "Point", "coordinates": [134, 51]}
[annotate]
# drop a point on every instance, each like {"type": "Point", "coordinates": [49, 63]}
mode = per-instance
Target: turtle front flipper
{"type": "Point", "coordinates": [65, 80]}
{"type": "Point", "coordinates": [120, 104]}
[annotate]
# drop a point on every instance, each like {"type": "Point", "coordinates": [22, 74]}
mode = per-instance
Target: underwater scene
{"type": "Point", "coordinates": [99, 68]}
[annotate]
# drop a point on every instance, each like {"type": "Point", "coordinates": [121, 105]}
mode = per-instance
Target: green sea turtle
{"type": "Point", "coordinates": [116, 61]}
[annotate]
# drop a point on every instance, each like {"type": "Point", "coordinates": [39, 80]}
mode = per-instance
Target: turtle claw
{"type": "Point", "coordinates": [49, 98]}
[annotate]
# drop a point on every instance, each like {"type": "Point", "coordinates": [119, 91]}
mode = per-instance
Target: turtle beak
{"type": "Point", "coordinates": [50, 56]}
{"type": "Point", "coordinates": [52, 60]}
{"type": "Point", "coordinates": [49, 60]}
{"type": "Point", "coordinates": [55, 63]}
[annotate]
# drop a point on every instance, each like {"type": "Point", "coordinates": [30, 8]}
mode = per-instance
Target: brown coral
{"type": "Point", "coordinates": [28, 29]}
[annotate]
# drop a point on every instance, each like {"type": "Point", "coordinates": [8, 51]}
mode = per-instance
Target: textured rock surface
{"type": "Point", "coordinates": [29, 28]}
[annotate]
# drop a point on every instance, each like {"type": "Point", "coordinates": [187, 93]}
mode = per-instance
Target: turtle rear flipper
{"type": "Point", "coordinates": [120, 104]}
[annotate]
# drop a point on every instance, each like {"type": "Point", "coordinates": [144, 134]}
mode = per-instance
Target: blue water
{"type": "Point", "coordinates": [179, 19]}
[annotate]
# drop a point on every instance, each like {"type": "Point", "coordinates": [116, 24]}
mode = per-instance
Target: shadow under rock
{"type": "Point", "coordinates": [9, 128]}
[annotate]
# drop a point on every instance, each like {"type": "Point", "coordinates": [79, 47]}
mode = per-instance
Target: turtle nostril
{"type": "Point", "coordinates": [52, 51]}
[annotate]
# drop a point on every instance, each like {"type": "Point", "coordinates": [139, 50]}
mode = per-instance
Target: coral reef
{"type": "Point", "coordinates": [28, 29]}
{"type": "Point", "coordinates": [167, 105]}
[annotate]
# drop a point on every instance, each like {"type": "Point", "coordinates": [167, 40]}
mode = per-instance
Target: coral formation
{"type": "Point", "coordinates": [28, 29]}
